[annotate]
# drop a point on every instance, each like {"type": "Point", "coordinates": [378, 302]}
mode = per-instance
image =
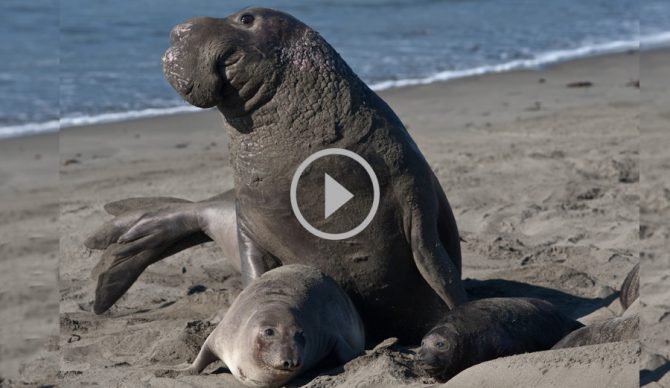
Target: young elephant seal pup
{"type": "Point", "coordinates": [485, 329]}
{"type": "Point", "coordinates": [284, 94]}
{"type": "Point", "coordinates": [282, 324]}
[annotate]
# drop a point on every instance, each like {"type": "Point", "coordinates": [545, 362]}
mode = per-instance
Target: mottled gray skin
{"type": "Point", "coordinates": [623, 328]}
{"type": "Point", "coordinates": [284, 94]}
{"type": "Point", "coordinates": [486, 329]}
{"type": "Point", "coordinates": [630, 289]}
{"type": "Point", "coordinates": [281, 325]}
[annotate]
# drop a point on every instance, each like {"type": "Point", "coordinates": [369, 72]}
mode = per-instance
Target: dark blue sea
{"type": "Point", "coordinates": [73, 62]}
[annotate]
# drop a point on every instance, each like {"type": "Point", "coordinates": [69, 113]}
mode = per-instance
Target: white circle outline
{"type": "Point", "coordinates": [294, 193]}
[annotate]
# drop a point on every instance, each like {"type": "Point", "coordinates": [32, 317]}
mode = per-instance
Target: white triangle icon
{"type": "Point", "coordinates": [336, 196]}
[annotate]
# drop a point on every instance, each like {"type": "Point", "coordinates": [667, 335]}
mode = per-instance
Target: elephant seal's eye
{"type": "Point", "coordinates": [269, 332]}
{"type": "Point", "coordinates": [246, 19]}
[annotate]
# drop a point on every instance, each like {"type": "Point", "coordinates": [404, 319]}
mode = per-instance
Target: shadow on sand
{"type": "Point", "coordinates": [649, 376]}
{"type": "Point", "coordinates": [571, 305]}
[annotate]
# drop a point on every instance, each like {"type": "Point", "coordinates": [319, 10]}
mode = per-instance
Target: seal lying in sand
{"type": "Point", "coordinates": [281, 325]}
{"type": "Point", "coordinates": [284, 94]}
{"type": "Point", "coordinates": [623, 328]}
{"type": "Point", "coordinates": [610, 330]}
{"type": "Point", "coordinates": [486, 329]}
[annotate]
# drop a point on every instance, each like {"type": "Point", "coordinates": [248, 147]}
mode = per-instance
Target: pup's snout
{"type": "Point", "coordinates": [290, 363]}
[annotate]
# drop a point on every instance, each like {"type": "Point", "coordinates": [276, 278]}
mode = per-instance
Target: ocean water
{"type": "Point", "coordinates": [73, 62]}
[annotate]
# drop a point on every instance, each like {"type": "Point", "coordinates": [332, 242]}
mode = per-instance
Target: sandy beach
{"type": "Point", "coordinates": [544, 178]}
{"type": "Point", "coordinates": [654, 213]}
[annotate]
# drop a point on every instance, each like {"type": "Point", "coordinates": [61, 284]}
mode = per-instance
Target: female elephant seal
{"type": "Point", "coordinates": [486, 329]}
{"type": "Point", "coordinates": [618, 329]}
{"type": "Point", "coordinates": [282, 324]}
{"type": "Point", "coordinates": [284, 94]}
{"type": "Point", "coordinates": [623, 328]}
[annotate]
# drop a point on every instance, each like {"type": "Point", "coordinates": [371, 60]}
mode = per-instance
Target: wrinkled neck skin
{"type": "Point", "coordinates": [317, 100]}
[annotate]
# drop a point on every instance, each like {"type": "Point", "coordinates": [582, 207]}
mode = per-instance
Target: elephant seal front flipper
{"type": "Point", "coordinates": [205, 357]}
{"type": "Point", "coordinates": [440, 269]}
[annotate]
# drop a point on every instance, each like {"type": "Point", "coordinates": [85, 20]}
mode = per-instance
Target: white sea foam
{"type": "Point", "coordinates": [661, 39]}
{"type": "Point", "coordinates": [646, 42]}
{"type": "Point", "coordinates": [542, 59]}
{"type": "Point", "coordinates": [76, 121]}
{"type": "Point", "coordinates": [29, 129]}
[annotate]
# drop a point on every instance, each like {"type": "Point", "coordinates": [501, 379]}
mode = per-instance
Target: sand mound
{"type": "Point", "coordinates": [612, 365]}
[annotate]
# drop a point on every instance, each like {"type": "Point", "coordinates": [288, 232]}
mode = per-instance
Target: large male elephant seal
{"type": "Point", "coordinates": [281, 325]}
{"type": "Point", "coordinates": [284, 94]}
{"type": "Point", "coordinates": [486, 329]}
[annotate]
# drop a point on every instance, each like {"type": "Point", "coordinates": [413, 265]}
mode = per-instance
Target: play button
{"type": "Point", "coordinates": [335, 195]}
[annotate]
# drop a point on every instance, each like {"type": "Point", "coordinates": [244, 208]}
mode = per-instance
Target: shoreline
{"type": "Point", "coordinates": [151, 113]}
{"type": "Point", "coordinates": [212, 118]}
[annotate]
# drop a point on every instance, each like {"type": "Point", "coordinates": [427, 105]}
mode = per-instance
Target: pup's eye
{"type": "Point", "coordinates": [246, 19]}
{"type": "Point", "coordinates": [269, 332]}
{"type": "Point", "coordinates": [440, 344]}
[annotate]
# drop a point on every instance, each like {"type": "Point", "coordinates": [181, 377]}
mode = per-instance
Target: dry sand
{"type": "Point", "coordinates": [544, 181]}
{"type": "Point", "coordinates": [29, 330]}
